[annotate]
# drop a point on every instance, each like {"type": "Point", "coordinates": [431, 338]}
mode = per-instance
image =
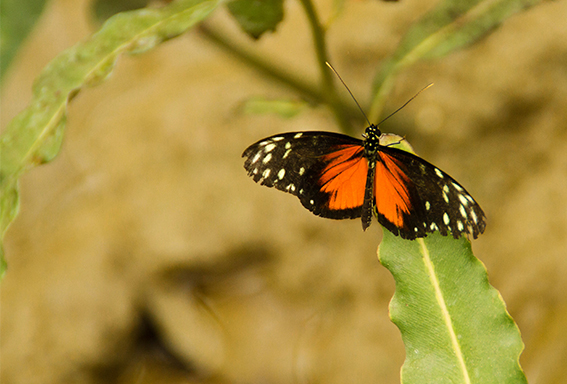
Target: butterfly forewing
{"type": "Point", "coordinates": [326, 170]}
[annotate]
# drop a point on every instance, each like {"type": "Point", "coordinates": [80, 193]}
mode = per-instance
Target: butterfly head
{"type": "Point", "coordinates": [372, 139]}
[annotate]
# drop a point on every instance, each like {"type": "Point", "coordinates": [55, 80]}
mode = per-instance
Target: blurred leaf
{"type": "Point", "coordinates": [35, 135]}
{"type": "Point", "coordinates": [454, 324]}
{"type": "Point", "coordinates": [452, 25]}
{"type": "Point", "coordinates": [282, 107]}
{"type": "Point", "coordinates": [17, 18]}
{"type": "Point", "coordinates": [104, 9]}
{"type": "Point", "coordinates": [257, 16]}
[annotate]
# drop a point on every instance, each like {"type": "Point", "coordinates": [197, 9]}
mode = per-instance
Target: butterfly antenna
{"type": "Point", "coordinates": [406, 103]}
{"type": "Point", "coordinates": [351, 95]}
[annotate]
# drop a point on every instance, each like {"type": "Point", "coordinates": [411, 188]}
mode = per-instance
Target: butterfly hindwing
{"type": "Point", "coordinates": [426, 199]}
{"type": "Point", "coordinates": [326, 171]}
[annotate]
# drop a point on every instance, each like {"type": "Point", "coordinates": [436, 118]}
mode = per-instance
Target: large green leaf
{"type": "Point", "coordinates": [454, 324]}
{"type": "Point", "coordinates": [451, 25]}
{"type": "Point", "coordinates": [35, 135]}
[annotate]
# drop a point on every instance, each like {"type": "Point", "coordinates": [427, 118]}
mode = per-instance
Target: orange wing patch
{"type": "Point", "coordinates": [390, 190]}
{"type": "Point", "coordinates": [344, 178]}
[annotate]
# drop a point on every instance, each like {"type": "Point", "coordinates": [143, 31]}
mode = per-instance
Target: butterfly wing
{"type": "Point", "coordinates": [326, 171]}
{"type": "Point", "coordinates": [330, 175]}
{"type": "Point", "coordinates": [413, 198]}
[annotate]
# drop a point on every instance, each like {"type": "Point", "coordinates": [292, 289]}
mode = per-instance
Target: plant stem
{"type": "Point", "coordinates": [327, 84]}
{"type": "Point", "coordinates": [310, 91]}
{"type": "Point", "coordinates": [320, 45]}
{"type": "Point", "coordinates": [323, 94]}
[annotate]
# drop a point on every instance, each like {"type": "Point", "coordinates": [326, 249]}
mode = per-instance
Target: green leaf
{"type": "Point", "coordinates": [454, 324]}
{"type": "Point", "coordinates": [257, 16]}
{"type": "Point", "coordinates": [449, 26]}
{"type": "Point", "coordinates": [34, 136]}
{"type": "Point", "coordinates": [282, 107]}
{"type": "Point", "coordinates": [17, 20]}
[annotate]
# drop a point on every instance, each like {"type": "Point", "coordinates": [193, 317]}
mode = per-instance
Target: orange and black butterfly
{"type": "Point", "coordinates": [340, 177]}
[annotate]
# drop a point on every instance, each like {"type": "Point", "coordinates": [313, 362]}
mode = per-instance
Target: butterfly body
{"type": "Point", "coordinates": [340, 177]}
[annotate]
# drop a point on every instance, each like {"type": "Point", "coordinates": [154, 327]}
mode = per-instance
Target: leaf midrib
{"type": "Point", "coordinates": [444, 311]}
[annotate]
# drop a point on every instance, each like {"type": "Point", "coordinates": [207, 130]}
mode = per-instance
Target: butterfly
{"type": "Point", "coordinates": [340, 177]}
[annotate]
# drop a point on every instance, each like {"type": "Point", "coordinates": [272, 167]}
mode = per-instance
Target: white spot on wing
{"type": "Point", "coordinates": [278, 138]}
{"type": "Point", "coordinates": [445, 197]}
{"type": "Point", "coordinates": [267, 158]}
{"type": "Point", "coordinates": [446, 218]}
{"type": "Point", "coordinates": [474, 218]}
{"type": "Point", "coordinates": [463, 200]}
{"type": "Point", "coordinates": [256, 157]}
{"type": "Point", "coordinates": [286, 153]}
{"type": "Point", "coordinates": [439, 173]}
{"type": "Point", "coordinates": [270, 147]}
{"type": "Point", "coordinates": [463, 211]}
{"type": "Point", "coordinates": [301, 171]}
{"type": "Point", "coordinates": [298, 135]}
{"type": "Point", "coordinates": [281, 174]}
{"type": "Point", "coordinates": [287, 145]}
{"type": "Point", "coordinates": [460, 225]}
{"type": "Point", "coordinates": [266, 173]}
{"type": "Point", "coordinates": [457, 187]}
{"type": "Point", "coordinates": [427, 205]}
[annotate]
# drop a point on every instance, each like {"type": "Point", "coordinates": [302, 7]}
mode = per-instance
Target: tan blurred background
{"type": "Point", "coordinates": [144, 254]}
